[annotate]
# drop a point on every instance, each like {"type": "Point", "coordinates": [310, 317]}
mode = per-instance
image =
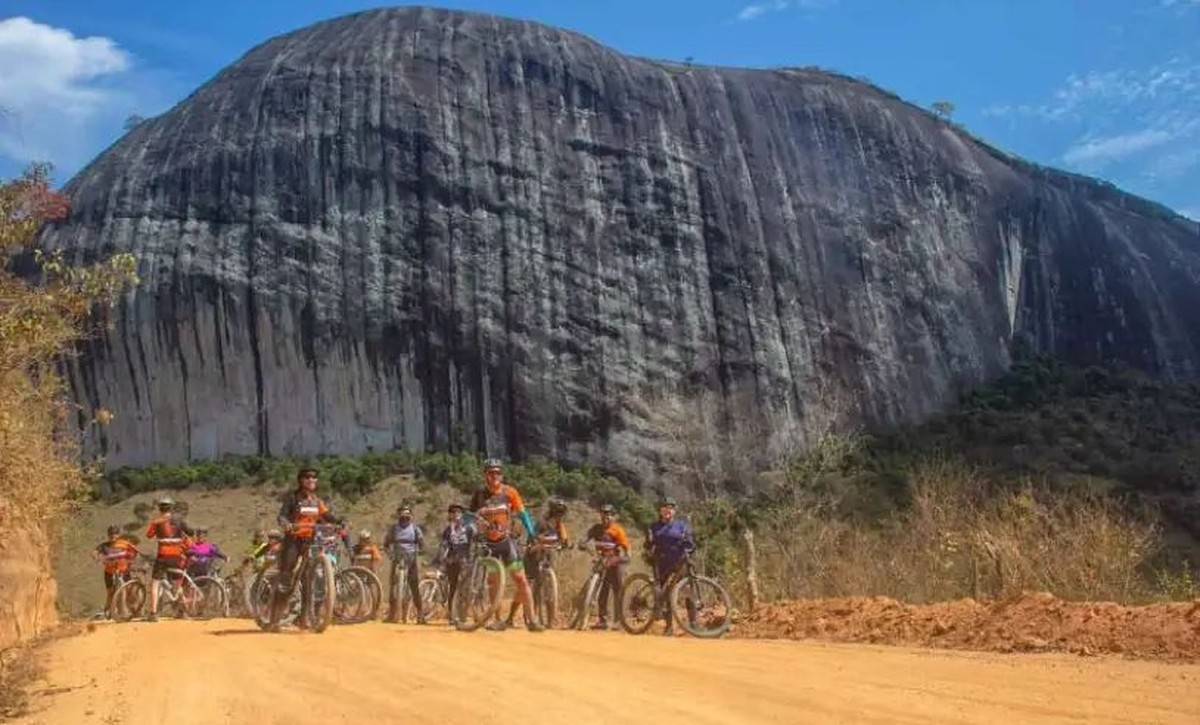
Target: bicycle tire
{"type": "Point", "coordinates": [320, 574]}
{"type": "Point", "coordinates": [721, 606]}
{"type": "Point", "coordinates": [633, 603]}
{"type": "Point", "coordinates": [481, 603]}
{"type": "Point", "coordinates": [585, 602]}
{"type": "Point", "coordinates": [214, 599]}
{"type": "Point", "coordinates": [431, 602]}
{"type": "Point", "coordinates": [129, 600]}
{"type": "Point", "coordinates": [364, 586]}
{"type": "Point", "coordinates": [373, 589]}
{"type": "Point", "coordinates": [262, 590]}
{"type": "Point", "coordinates": [547, 604]}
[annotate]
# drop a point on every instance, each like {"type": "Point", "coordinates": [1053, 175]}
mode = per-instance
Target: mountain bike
{"type": "Point", "coordinates": [359, 595]}
{"type": "Point", "coordinates": [586, 605]}
{"type": "Point", "coordinates": [175, 588]}
{"type": "Point", "coordinates": [398, 590]}
{"type": "Point", "coordinates": [129, 596]}
{"type": "Point", "coordinates": [545, 584]}
{"type": "Point", "coordinates": [700, 605]}
{"type": "Point", "coordinates": [480, 587]}
{"type": "Point", "coordinates": [313, 575]}
{"type": "Point", "coordinates": [214, 601]}
{"type": "Point", "coordinates": [434, 589]}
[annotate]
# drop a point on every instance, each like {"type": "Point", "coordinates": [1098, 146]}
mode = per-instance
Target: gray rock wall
{"type": "Point", "coordinates": [423, 228]}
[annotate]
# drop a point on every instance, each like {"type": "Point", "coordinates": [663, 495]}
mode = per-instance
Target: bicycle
{"type": "Point", "coordinates": [434, 589]}
{"type": "Point", "coordinates": [214, 600]}
{"type": "Point", "coordinates": [129, 594]}
{"type": "Point", "coordinates": [398, 590]}
{"type": "Point", "coordinates": [545, 585]}
{"type": "Point", "coordinates": [314, 570]}
{"type": "Point", "coordinates": [586, 604]}
{"type": "Point", "coordinates": [700, 605]}
{"type": "Point", "coordinates": [480, 587]}
{"type": "Point", "coordinates": [183, 593]}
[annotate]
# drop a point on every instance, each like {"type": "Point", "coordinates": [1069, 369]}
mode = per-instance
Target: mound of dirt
{"type": "Point", "coordinates": [1032, 622]}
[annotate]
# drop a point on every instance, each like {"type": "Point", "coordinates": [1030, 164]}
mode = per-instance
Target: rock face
{"type": "Point", "coordinates": [424, 228]}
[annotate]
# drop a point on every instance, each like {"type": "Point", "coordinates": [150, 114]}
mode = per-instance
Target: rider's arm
{"type": "Point", "coordinates": [420, 538]}
{"type": "Point", "coordinates": [517, 505]}
{"type": "Point", "coordinates": [619, 535]}
{"type": "Point", "coordinates": [286, 510]}
{"type": "Point", "coordinates": [563, 539]}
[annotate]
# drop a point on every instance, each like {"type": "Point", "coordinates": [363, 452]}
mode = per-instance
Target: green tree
{"type": "Point", "coordinates": [945, 109]}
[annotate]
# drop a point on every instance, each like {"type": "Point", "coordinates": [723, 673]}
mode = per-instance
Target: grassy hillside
{"type": "Point", "coordinates": [1077, 481]}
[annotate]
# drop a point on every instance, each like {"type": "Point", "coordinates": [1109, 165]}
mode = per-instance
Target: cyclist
{"type": "Point", "coordinates": [201, 552]}
{"type": "Point", "coordinates": [170, 530]}
{"type": "Point", "coordinates": [365, 552]}
{"type": "Point", "coordinates": [495, 505]}
{"type": "Point", "coordinates": [550, 534]}
{"type": "Point", "coordinates": [457, 538]}
{"type": "Point", "coordinates": [403, 542]}
{"type": "Point", "coordinates": [668, 541]}
{"type": "Point", "coordinates": [117, 552]}
{"type": "Point", "coordinates": [611, 543]}
{"type": "Point", "coordinates": [274, 546]}
{"type": "Point", "coordinates": [299, 515]}
{"type": "Point", "coordinates": [256, 554]}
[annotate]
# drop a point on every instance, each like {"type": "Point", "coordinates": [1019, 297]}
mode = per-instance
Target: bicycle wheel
{"type": "Point", "coordinates": [480, 593]}
{"type": "Point", "coordinates": [429, 589]}
{"type": "Point", "coordinates": [701, 606]}
{"type": "Point", "coordinates": [128, 600]}
{"type": "Point", "coordinates": [547, 600]}
{"type": "Point", "coordinates": [352, 598]}
{"type": "Point", "coordinates": [321, 594]}
{"type": "Point", "coordinates": [213, 602]}
{"type": "Point", "coordinates": [372, 590]}
{"type": "Point", "coordinates": [261, 592]}
{"type": "Point", "coordinates": [585, 604]}
{"type": "Point", "coordinates": [637, 603]}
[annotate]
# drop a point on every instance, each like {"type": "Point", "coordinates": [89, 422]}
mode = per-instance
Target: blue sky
{"type": "Point", "coordinates": [1110, 88]}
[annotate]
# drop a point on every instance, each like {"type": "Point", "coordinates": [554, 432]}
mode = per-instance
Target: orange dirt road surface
{"type": "Point", "coordinates": [226, 671]}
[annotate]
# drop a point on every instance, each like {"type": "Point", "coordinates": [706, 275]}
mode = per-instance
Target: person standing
{"type": "Point", "coordinates": [404, 542]}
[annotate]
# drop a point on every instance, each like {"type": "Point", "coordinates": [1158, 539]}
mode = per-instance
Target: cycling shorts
{"type": "Point", "coordinates": [162, 563]}
{"type": "Point", "coordinates": [506, 551]}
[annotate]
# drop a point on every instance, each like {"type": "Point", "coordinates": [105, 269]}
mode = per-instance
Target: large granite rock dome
{"type": "Point", "coordinates": [422, 228]}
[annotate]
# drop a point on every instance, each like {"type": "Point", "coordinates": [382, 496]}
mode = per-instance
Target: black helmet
{"type": "Point", "coordinates": [493, 463]}
{"type": "Point", "coordinates": [666, 501]}
{"type": "Point", "coordinates": [304, 472]}
{"type": "Point", "coordinates": [454, 507]}
{"type": "Point", "coordinates": [608, 509]}
{"type": "Point", "coordinates": [114, 529]}
{"type": "Point", "coordinates": [556, 507]}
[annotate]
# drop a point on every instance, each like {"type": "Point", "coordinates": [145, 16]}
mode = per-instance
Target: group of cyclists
{"type": "Point", "coordinates": [495, 516]}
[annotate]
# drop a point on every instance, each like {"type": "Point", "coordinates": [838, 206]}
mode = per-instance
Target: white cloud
{"type": "Point", "coordinates": [756, 10]}
{"type": "Point", "coordinates": [1097, 152]}
{"type": "Point", "coordinates": [1140, 123]}
{"type": "Point", "coordinates": [65, 90]}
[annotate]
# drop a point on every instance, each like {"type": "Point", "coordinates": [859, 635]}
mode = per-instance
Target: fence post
{"type": "Point", "coordinates": [751, 568]}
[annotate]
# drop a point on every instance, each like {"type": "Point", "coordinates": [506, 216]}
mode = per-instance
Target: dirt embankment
{"type": "Point", "coordinates": [27, 587]}
{"type": "Point", "coordinates": [1029, 623]}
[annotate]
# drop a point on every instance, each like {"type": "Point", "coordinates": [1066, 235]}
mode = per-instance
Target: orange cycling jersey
{"type": "Point", "coordinates": [303, 513]}
{"type": "Point", "coordinates": [496, 512]}
{"type": "Point", "coordinates": [117, 555]}
{"type": "Point", "coordinates": [171, 533]}
{"type": "Point", "coordinates": [609, 538]}
{"type": "Point", "coordinates": [367, 552]}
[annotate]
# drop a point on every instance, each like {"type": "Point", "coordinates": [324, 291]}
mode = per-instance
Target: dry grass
{"type": "Point", "coordinates": [962, 538]}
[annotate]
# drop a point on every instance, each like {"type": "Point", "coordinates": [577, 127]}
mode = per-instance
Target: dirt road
{"type": "Point", "coordinates": [228, 672]}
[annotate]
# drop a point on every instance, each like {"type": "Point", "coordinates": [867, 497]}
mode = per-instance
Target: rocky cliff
{"type": "Point", "coordinates": [423, 228]}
